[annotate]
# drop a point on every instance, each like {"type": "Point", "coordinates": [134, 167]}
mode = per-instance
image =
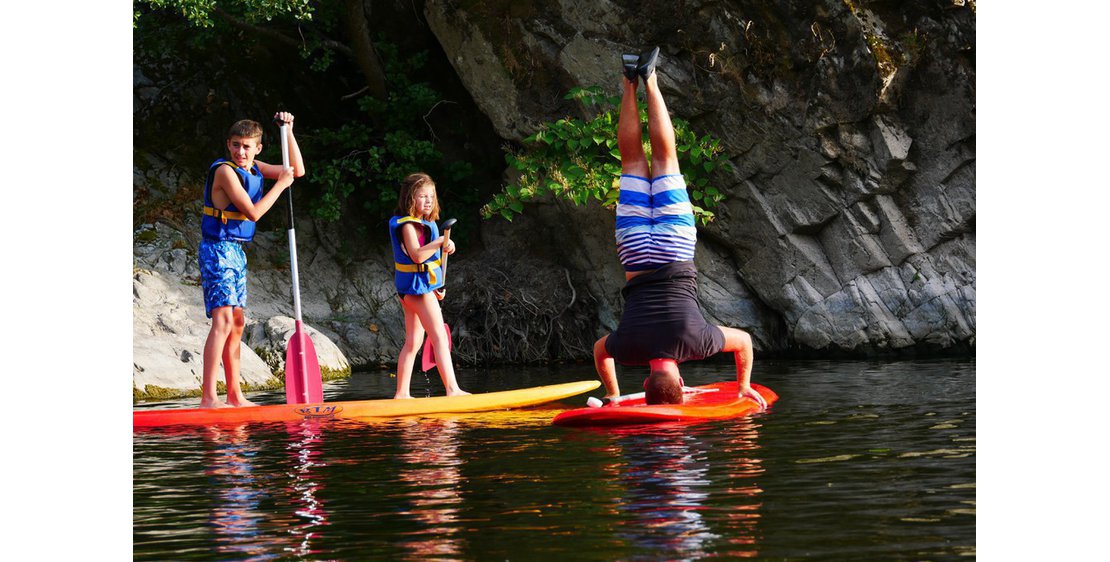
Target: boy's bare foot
{"type": "Point", "coordinates": [213, 403]}
{"type": "Point", "coordinates": [241, 403]}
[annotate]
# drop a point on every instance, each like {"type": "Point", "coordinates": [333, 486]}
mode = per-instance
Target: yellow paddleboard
{"type": "Point", "coordinates": [364, 408]}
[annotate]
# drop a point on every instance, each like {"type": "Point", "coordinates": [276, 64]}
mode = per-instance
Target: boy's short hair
{"type": "Point", "coordinates": [406, 200]}
{"type": "Point", "coordinates": [246, 129]}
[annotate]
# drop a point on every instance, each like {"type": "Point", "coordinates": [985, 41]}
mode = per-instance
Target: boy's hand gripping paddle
{"type": "Point", "coordinates": [428, 355]}
{"type": "Point", "coordinates": [303, 384]}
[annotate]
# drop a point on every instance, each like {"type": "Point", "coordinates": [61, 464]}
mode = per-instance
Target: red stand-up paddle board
{"type": "Point", "coordinates": [712, 401]}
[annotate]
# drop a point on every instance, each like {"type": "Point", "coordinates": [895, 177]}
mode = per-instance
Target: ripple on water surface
{"type": "Point", "coordinates": [857, 460]}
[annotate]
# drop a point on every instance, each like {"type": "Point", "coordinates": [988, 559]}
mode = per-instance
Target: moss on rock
{"type": "Point", "coordinates": [154, 393]}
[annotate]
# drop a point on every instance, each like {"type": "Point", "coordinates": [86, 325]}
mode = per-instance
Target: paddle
{"type": "Point", "coordinates": [428, 356]}
{"type": "Point", "coordinates": [599, 402]}
{"type": "Point", "coordinates": [303, 384]}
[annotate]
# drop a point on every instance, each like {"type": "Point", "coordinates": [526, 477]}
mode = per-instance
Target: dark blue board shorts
{"type": "Point", "coordinates": [223, 274]}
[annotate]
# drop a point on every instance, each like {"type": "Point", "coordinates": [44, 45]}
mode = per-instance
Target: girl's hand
{"type": "Point", "coordinates": [449, 246]}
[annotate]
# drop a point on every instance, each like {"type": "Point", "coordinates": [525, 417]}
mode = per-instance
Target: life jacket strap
{"type": "Point", "coordinates": [224, 215]}
{"type": "Point", "coordinates": [429, 267]}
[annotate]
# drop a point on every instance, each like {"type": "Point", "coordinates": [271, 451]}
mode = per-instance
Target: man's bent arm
{"type": "Point", "coordinates": [606, 368]}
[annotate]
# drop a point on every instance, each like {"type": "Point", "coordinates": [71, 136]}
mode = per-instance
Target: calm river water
{"type": "Point", "coordinates": [857, 460]}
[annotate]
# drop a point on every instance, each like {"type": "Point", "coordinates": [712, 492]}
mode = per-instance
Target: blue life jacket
{"type": "Point", "coordinates": [230, 224]}
{"type": "Point", "coordinates": [413, 278]}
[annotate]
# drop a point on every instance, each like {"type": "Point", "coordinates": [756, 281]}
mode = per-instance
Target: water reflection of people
{"type": "Point", "coordinates": [306, 439]}
{"type": "Point", "coordinates": [235, 514]}
{"type": "Point", "coordinates": [434, 487]}
{"type": "Point", "coordinates": [689, 495]}
{"type": "Point", "coordinates": [243, 529]}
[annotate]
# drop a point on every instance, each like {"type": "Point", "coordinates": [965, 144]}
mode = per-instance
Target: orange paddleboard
{"type": "Point", "coordinates": [714, 401]}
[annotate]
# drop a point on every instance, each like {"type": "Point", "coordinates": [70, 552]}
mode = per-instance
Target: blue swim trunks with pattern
{"type": "Point", "coordinates": [655, 222]}
{"type": "Point", "coordinates": [223, 274]}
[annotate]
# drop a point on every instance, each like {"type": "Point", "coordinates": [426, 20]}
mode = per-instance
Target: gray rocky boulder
{"type": "Point", "coordinates": [848, 225]}
{"type": "Point", "coordinates": [269, 340]}
{"type": "Point", "coordinates": [850, 219]}
{"type": "Point", "coordinates": [170, 327]}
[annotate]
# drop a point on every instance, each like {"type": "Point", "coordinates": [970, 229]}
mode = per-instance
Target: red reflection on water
{"type": "Point", "coordinates": [434, 492]}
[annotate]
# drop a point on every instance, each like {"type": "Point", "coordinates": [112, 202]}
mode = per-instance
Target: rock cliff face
{"type": "Point", "coordinates": [850, 219]}
{"type": "Point", "coordinates": [849, 224]}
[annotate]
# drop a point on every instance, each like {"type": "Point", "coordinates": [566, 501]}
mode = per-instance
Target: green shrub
{"type": "Point", "coordinates": [579, 160]}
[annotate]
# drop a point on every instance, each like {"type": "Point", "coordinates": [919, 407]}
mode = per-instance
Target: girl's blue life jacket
{"type": "Point", "coordinates": [409, 277]}
{"type": "Point", "coordinates": [230, 224]}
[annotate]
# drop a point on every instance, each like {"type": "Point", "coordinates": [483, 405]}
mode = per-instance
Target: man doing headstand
{"type": "Point", "coordinates": [661, 325]}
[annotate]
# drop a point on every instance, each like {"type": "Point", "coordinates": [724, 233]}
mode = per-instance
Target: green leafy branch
{"type": "Point", "coordinates": [199, 12]}
{"type": "Point", "coordinates": [578, 160]}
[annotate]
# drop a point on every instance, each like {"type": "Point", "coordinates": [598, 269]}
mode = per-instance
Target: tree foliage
{"type": "Point", "coordinates": [367, 162]}
{"type": "Point", "coordinates": [199, 12]}
{"type": "Point", "coordinates": [356, 166]}
{"type": "Point", "coordinates": [578, 160]}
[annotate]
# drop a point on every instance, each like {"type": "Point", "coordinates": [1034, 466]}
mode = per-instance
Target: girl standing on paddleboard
{"type": "Point", "coordinates": [418, 254]}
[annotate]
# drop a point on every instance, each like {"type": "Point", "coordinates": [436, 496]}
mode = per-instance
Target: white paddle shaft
{"type": "Point", "coordinates": [285, 145]}
{"type": "Point", "coordinates": [599, 402]}
{"type": "Point", "coordinates": [296, 277]}
{"type": "Point", "coordinates": [292, 235]}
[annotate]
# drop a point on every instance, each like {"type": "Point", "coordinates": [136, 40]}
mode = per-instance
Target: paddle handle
{"type": "Point", "coordinates": [443, 262]}
{"type": "Point", "coordinates": [442, 291]}
{"type": "Point", "coordinates": [284, 128]}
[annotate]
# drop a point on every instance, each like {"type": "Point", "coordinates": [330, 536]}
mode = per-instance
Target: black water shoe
{"type": "Point", "coordinates": [631, 64]}
{"type": "Point", "coordinates": [647, 63]}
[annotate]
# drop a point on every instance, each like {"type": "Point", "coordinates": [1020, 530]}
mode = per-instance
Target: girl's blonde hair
{"type": "Point", "coordinates": [406, 201]}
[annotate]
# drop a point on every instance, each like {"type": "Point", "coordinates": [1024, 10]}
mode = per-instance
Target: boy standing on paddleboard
{"type": "Point", "coordinates": [661, 324]}
{"type": "Point", "coordinates": [233, 203]}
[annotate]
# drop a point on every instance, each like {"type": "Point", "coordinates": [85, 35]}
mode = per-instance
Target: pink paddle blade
{"type": "Point", "coordinates": [303, 382]}
{"type": "Point", "coordinates": [428, 355]}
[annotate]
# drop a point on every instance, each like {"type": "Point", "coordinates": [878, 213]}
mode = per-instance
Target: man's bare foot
{"type": "Point", "coordinates": [213, 403]}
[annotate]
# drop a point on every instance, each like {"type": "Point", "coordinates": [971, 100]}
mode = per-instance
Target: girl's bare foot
{"type": "Point", "coordinates": [457, 392]}
{"type": "Point", "coordinates": [402, 396]}
{"type": "Point", "coordinates": [213, 403]}
{"type": "Point", "coordinates": [241, 403]}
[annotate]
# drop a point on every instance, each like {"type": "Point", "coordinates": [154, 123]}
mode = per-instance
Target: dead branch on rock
{"type": "Point", "coordinates": [523, 318]}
